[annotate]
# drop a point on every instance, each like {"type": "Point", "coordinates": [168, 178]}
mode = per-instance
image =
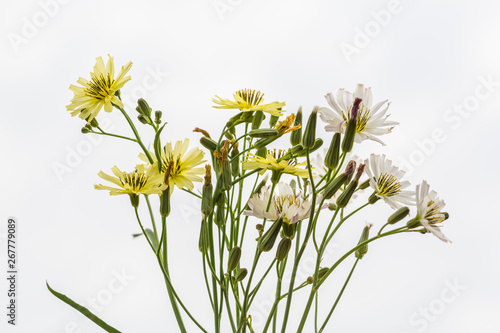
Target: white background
{"type": "Point", "coordinates": [429, 58]}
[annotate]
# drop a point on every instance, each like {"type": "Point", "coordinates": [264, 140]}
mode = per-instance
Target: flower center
{"type": "Point", "coordinates": [250, 97]}
{"type": "Point", "coordinates": [279, 202]}
{"type": "Point", "coordinates": [433, 215]}
{"type": "Point", "coordinates": [279, 153]}
{"type": "Point", "coordinates": [100, 87]}
{"type": "Point", "coordinates": [134, 179]}
{"type": "Point", "coordinates": [176, 168]}
{"type": "Point", "coordinates": [363, 118]}
{"type": "Point", "coordinates": [388, 185]}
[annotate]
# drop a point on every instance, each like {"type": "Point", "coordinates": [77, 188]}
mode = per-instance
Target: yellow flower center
{"type": "Point", "coordinates": [251, 98]}
{"type": "Point", "coordinates": [363, 118]}
{"type": "Point", "coordinates": [100, 87]}
{"type": "Point", "coordinates": [176, 167]}
{"type": "Point", "coordinates": [433, 214]}
{"type": "Point", "coordinates": [280, 201]}
{"type": "Point", "coordinates": [388, 185]}
{"type": "Point", "coordinates": [134, 179]}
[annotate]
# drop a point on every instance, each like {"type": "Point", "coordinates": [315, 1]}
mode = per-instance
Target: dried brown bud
{"type": "Point", "coordinates": [202, 131]}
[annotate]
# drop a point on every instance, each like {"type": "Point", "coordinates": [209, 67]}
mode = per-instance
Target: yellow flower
{"type": "Point", "coordinates": [248, 100]}
{"type": "Point", "coordinates": [252, 162]}
{"type": "Point", "coordinates": [286, 126]}
{"type": "Point", "coordinates": [144, 180]}
{"type": "Point", "coordinates": [99, 92]}
{"type": "Point", "coordinates": [183, 171]}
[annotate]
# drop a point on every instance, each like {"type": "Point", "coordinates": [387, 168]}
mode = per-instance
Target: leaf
{"type": "Point", "coordinates": [151, 237]}
{"type": "Point", "coordinates": [83, 310]}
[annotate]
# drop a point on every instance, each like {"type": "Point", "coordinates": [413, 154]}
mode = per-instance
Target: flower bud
{"type": "Point", "coordinates": [283, 248]}
{"type": "Point", "coordinates": [86, 129]}
{"type": "Point", "coordinates": [273, 121]}
{"type": "Point", "coordinates": [235, 161]}
{"type": "Point", "coordinates": [158, 115]}
{"type": "Point", "coordinates": [143, 108]}
{"type": "Point", "coordinates": [322, 271]}
{"type": "Point", "coordinates": [94, 122]}
{"type": "Point", "coordinates": [143, 119]}
{"type": "Point", "coordinates": [219, 217]}
{"type": "Point", "coordinates": [288, 230]}
{"type": "Point", "coordinates": [208, 143]}
{"type": "Point", "coordinates": [332, 155]}
{"type": "Point", "coordinates": [165, 203]}
{"type": "Point", "coordinates": [258, 117]}
{"type": "Point", "coordinates": [296, 136]}
{"type": "Point", "coordinates": [134, 200]}
{"type": "Point", "coordinates": [241, 274]}
{"type": "Point", "coordinates": [364, 184]}
{"type": "Point", "coordinates": [297, 150]}
{"type": "Point", "coordinates": [350, 131]}
{"type": "Point", "coordinates": [264, 142]}
{"type": "Point", "coordinates": [309, 280]}
{"type": "Point", "coordinates": [310, 132]}
{"type": "Point", "coordinates": [258, 188]}
{"type": "Point", "coordinates": [373, 198]}
{"type": "Point", "coordinates": [334, 185]}
{"type": "Point", "coordinates": [398, 215]}
{"type": "Point", "coordinates": [413, 223]}
{"type": "Point", "coordinates": [206, 198]}
{"type": "Point", "coordinates": [360, 252]}
{"type": "Point", "coordinates": [263, 133]}
{"type": "Point", "coordinates": [346, 195]}
{"type": "Point", "coordinates": [203, 243]}
{"type": "Point", "coordinates": [262, 152]}
{"type": "Point", "coordinates": [266, 242]}
{"type": "Point", "coordinates": [234, 258]}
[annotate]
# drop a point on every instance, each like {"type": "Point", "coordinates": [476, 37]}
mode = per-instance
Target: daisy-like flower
{"type": "Point", "coordinates": [144, 180]}
{"type": "Point", "coordinates": [99, 92]}
{"type": "Point", "coordinates": [184, 170]}
{"type": "Point", "coordinates": [429, 213]}
{"type": "Point", "coordinates": [370, 123]}
{"type": "Point", "coordinates": [286, 205]}
{"type": "Point", "coordinates": [286, 126]}
{"type": "Point", "coordinates": [270, 162]}
{"type": "Point", "coordinates": [385, 179]}
{"type": "Point", "coordinates": [247, 100]}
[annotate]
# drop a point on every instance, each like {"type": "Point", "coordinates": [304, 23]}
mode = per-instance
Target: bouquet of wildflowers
{"type": "Point", "coordinates": [258, 199]}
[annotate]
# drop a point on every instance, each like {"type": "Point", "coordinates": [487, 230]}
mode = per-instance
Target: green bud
{"type": "Point", "coordinates": [283, 248]}
{"type": "Point", "coordinates": [288, 230]}
{"type": "Point", "coordinates": [219, 218]}
{"type": "Point", "coordinates": [262, 152]}
{"type": "Point", "coordinates": [273, 121]}
{"type": "Point", "coordinates": [298, 150]}
{"type": "Point", "coordinates": [144, 120]}
{"type": "Point", "coordinates": [225, 175]}
{"type": "Point", "coordinates": [360, 252]}
{"type": "Point", "coordinates": [234, 258]}
{"type": "Point", "coordinates": [264, 142]}
{"type": "Point", "coordinates": [235, 161]}
{"type": "Point", "coordinates": [165, 203]}
{"type": "Point", "coordinates": [94, 122]}
{"type": "Point", "coordinates": [207, 192]}
{"type": "Point", "coordinates": [364, 184]}
{"type": "Point", "coordinates": [266, 242]}
{"type": "Point", "coordinates": [241, 274]}
{"type": "Point", "coordinates": [158, 115]}
{"type": "Point", "coordinates": [322, 271]}
{"type": "Point", "coordinates": [86, 129]}
{"type": "Point", "coordinates": [309, 280]}
{"type": "Point", "coordinates": [334, 185]}
{"type": "Point", "coordinates": [310, 132]}
{"type": "Point", "coordinates": [317, 144]}
{"type": "Point", "coordinates": [350, 131]}
{"type": "Point", "coordinates": [332, 156]}
{"type": "Point", "coordinates": [413, 223]}
{"type": "Point", "coordinates": [203, 243]}
{"type": "Point", "coordinates": [263, 133]}
{"type": "Point", "coordinates": [398, 215]}
{"type": "Point", "coordinates": [373, 198]}
{"type": "Point", "coordinates": [258, 117]}
{"type": "Point", "coordinates": [346, 195]}
{"type": "Point", "coordinates": [259, 186]}
{"type": "Point", "coordinates": [134, 200]}
{"type": "Point", "coordinates": [332, 207]}
{"type": "Point", "coordinates": [143, 108]}
{"type": "Point", "coordinates": [208, 143]}
{"type": "Point", "coordinates": [296, 136]}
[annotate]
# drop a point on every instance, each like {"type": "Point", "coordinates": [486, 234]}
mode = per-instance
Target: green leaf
{"type": "Point", "coordinates": [152, 237]}
{"type": "Point", "coordinates": [83, 310]}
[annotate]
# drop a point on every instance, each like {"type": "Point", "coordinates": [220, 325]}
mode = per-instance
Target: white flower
{"type": "Point", "coordinates": [287, 205]}
{"type": "Point", "coordinates": [429, 210]}
{"type": "Point", "coordinates": [370, 124]}
{"type": "Point", "coordinates": [385, 179]}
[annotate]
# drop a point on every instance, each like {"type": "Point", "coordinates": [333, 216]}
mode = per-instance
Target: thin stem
{"type": "Point", "coordinates": [338, 297]}
{"type": "Point", "coordinates": [113, 135]}
{"type": "Point", "coordinates": [132, 126]}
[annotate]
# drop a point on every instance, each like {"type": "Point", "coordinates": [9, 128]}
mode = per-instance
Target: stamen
{"type": "Point", "coordinates": [388, 185]}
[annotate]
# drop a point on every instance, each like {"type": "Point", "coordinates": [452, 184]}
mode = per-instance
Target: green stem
{"type": "Point", "coordinates": [139, 141]}
{"type": "Point", "coordinates": [113, 135]}
{"type": "Point", "coordinates": [338, 297]}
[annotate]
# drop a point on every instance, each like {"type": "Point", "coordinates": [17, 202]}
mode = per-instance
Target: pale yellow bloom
{"type": "Point", "coordinates": [100, 91]}
{"type": "Point", "coordinates": [144, 180]}
{"type": "Point", "coordinates": [184, 171]}
{"type": "Point", "coordinates": [270, 162]}
{"type": "Point", "coordinates": [247, 100]}
{"type": "Point", "coordinates": [286, 126]}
